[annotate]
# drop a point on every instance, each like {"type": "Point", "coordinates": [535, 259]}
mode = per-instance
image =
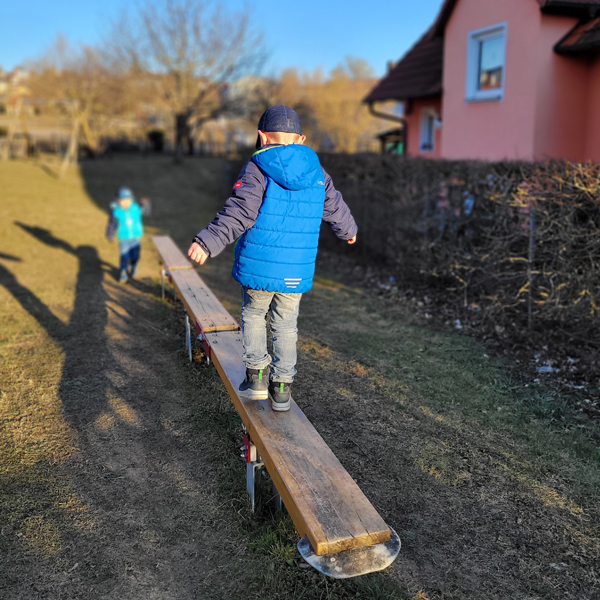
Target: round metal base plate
{"type": "Point", "coordinates": [351, 563]}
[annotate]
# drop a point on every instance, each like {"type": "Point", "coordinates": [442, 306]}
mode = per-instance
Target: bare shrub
{"type": "Point", "coordinates": [512, 246]}
{"type": "Point", "coordinates": [191, 49]}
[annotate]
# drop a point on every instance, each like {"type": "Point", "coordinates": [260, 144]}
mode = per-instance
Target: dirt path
{"type": "Point", "coordinates": [119, 477]}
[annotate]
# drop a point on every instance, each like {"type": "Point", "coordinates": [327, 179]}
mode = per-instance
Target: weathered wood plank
{"type": "Point", "coordinates": [324, 502]}
{"type": "Point", "coordinates": [201, 303]}
{"type": "Point", "coordinates": [172, 256]}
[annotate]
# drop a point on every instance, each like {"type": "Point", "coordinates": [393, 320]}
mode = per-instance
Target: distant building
{"type": "Point", "coordinates": [18, 75]}
{"type": "Point", "coordinates": [12, 89]}
{"type": "Point", "coordinates": [516, 79]}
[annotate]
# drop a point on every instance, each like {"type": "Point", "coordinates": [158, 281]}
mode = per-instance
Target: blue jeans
{"type": "Point", "coordinates": [283, 312]}
{"type": "Point", "coordinates": [130, 254]}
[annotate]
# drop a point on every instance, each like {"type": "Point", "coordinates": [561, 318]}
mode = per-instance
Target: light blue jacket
{"type": "Point", "coordinates": [127, 222]}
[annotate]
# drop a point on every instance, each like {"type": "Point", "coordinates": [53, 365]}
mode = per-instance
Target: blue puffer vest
{"type": "Point", "coordinates": [277, 254]}
{"type": "Point", "coordinates": [129, 221]}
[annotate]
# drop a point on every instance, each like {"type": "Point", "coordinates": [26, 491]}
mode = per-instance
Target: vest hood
{"type": "Point", "coordinates": [293, 167]}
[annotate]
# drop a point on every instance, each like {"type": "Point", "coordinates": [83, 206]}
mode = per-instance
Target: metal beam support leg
{"type": "Point", "coordinates": [205, 345]}
{"type": "Point", "coordinates": [162, 273]}
{"type": "Point", "coordinates": [188, 337]}
{"type": "Point", "coordinates": [277, 498]}
{"type": "Point", "coordinates": [253, 464]}
{"type": "Point", "coordinates": [251, 469]}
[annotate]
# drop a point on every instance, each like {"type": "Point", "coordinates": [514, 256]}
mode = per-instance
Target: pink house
{"type": "Point", "coordinates": [495, 80]}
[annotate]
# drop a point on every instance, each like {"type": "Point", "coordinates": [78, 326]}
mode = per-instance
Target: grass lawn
{"type": "Point", "coordinates": [119, 468]}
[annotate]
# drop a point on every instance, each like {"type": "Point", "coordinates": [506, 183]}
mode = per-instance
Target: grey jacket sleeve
{"type": "Point", "coordinates": [238, 214]}
{"type": "Point", "coordinates": [337, 213]}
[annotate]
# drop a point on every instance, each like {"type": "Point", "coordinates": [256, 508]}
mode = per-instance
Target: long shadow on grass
{"type": "Point", "coordinates": [83, 386]}
{"type": "Point", "coordinates": [86, 391]}
{"type": "Point", "coordinates": [83, 339]}
{"type": "Point", "coordinates": [150, 494]}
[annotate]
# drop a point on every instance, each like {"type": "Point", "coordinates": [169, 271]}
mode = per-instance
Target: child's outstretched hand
{"type": "Point", "coordinates": [352, 240]}
{"type": "Point", "coordinates": [197, 254]}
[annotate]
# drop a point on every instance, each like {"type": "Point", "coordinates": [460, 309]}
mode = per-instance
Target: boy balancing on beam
{"type": "Point", "coordinates": [276, 206]}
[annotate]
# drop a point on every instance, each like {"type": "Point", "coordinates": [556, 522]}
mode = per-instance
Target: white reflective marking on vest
{"type": "Point", "coordinates": [290, 279]}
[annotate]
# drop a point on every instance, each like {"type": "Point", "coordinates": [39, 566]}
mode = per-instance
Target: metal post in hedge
{"type": "Point", "coordinates": [530, 267]}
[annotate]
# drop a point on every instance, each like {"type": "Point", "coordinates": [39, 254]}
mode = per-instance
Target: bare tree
{"type": "Point", "coordinates": [331, 109]}
{"type": "Point", "coordinates": [193, 48]}
{"type": "Point", "coordinates": [81, 84]}
{"type": "Point", "coordinates": [354, 68]}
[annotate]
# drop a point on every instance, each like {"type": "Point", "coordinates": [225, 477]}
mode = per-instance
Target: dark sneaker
{"type": "Point", "coordinates": [254, 387]}
{"type": "Point", "coordinates": [281, 396]}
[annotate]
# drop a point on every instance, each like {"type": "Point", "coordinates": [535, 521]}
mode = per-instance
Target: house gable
{"type": "Point", "coordinates": [530, 102]}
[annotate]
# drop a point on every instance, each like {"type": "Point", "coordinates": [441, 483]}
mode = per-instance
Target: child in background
{"type": "Point", "coordinates": [126, 222]}
{"type": "Point", "coordinates": [276, 206]}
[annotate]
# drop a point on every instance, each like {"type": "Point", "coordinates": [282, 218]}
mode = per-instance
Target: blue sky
{"type": "Point", "coordinates": [302, 34]}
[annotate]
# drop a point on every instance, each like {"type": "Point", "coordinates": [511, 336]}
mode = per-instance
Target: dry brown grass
{"type": "Point", "coordinates": [120, 472]}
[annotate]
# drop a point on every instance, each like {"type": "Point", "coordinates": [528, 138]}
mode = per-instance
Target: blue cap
{"type": "Point", "coordinates": [124, 192]}
{"type": "Point", "coordinates": [280, 118]}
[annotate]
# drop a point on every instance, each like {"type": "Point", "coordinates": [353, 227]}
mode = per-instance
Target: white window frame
{"type": "Point", "coordinates": [473, 94]}
{"type": "Point", "coordinates": [427, 113]}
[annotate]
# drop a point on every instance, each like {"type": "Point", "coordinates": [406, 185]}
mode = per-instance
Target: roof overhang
{"type": "Point", "coordinates": [583, 39]}
{"type": "Point", "coordinates": [370, 99]}
{"type": "Point", "coordinates": [443, 17]}
{"type": "Point", "coordinates": [575, 8]}
{"type": "Point", "coordinates": [417, 75]}
{"type": "Point", "coordinates": [571, 8]}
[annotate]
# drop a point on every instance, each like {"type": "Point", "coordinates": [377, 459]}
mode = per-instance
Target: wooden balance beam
{"type": "Point", "coordinates": [344, 534]}
{"type": "Point", "coordinates": [171, 257]}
